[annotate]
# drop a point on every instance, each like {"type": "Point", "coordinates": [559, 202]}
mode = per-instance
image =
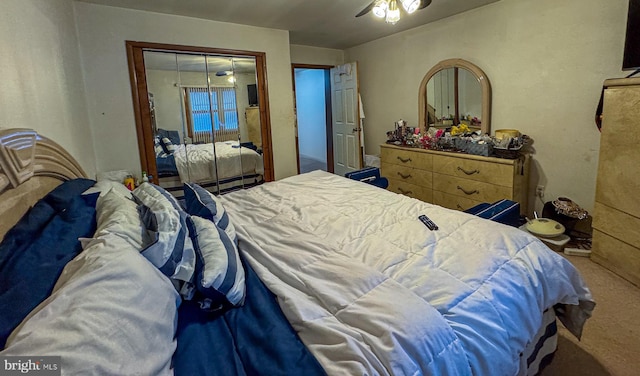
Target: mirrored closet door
{"type": "Point", "coordinates": [202, 118]}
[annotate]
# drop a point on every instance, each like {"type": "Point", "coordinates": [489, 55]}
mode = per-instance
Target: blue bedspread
{"type": "Point", "coordinates": [34, 252]}
{"type": "Point", "coordinates": [255, 339]}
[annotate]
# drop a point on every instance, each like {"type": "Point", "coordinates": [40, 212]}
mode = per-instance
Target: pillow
{"type": "Point", "coordinates": [173, 136]}
{"type": "Point", "coordinates": [219, 275]}
{"type": "Point", "coordinates": [116, 176]}
{"type": "Point", "coordinates": [158, 147]}
{"type": "Point", "coordinates": [204, 204]}
{"type": "Point", "coordinates": [110, 313]}
{"type": "Point", "coordinates": [168, 146]}
{"type": "Point", "coordinates": [119, 215]}
{"type": "Point", "coordinates": [34, 252]}
{"type": "Point", "coordinates": [63, 194]}
{"type": "Point", "coordinates": [104, 186]}
{"type": "Point", "coordinates": [171, 249]}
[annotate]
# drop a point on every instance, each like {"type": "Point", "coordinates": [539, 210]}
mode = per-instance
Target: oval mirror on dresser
{"type": "Point", "coordinates": [455, 91]}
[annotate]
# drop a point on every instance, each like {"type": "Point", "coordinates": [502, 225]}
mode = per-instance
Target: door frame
{"type": "Point", "coordinates": [142, 110]}
{"type": "Point", "coordinates": [327, 109]}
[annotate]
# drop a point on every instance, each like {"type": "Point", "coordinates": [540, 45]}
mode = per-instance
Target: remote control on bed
{"type": "Point", "coordinates": [428, 222]}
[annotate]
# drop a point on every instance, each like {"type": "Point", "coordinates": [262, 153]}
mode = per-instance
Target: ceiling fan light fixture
{"type": "Point", "coordinates": [410, 5]}
{"type": "Point", "coordinates": [380, 9]}
{"type": "Point", "coordinates": [393, 13]}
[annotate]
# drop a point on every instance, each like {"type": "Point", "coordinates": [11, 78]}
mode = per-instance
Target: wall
{"type": "Point", "coordinates": [316, 55]}
{"type": "Point", "coordinates": [40, 65]}
{"type": "Point", "coordinates": [310, 104]}
{"type": "Point", "coordinates": [102, 34]}
{"type": "Point", "coordinates": [546, 61]}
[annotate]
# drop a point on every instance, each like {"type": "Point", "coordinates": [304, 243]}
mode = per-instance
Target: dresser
{"type": "Point", "coordinates": [616, 215]}
{"type": "Point", "coordinates": [454, 180]}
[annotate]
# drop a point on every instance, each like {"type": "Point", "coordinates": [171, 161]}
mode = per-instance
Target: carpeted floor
{"type": "Point", "coordinates": [610, 342]}
{"type": "Point", "coordinates": [308, 164]}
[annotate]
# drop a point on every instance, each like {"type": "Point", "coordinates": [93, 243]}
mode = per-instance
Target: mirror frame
{"type": "Point", "coordinates": [480, 76]}
{"type": "Point", "coordinates": [142, 111]}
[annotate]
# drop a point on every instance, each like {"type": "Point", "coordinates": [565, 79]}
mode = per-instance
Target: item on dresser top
{"type": "Point", "coordinates": [404, 135]}
{"type": "Point", "coordinates": [510, 147]}
{"type": "Point", "coordinates": [507, 133]}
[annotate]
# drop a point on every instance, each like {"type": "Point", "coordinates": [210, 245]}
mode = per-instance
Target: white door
{"type": "Point", "coordinates": [346, 120]}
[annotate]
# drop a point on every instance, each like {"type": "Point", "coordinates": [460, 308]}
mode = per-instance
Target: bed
{"type": "Point", "coordinates": [321, 275]}
{"type": "Point", "coordinates": [219, 167]}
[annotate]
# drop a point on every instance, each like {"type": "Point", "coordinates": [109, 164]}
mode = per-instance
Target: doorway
{"type": "Point", "coordinates": [314, 140]}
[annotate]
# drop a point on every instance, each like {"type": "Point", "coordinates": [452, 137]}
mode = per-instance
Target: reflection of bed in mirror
{"type": "Point", "coordinates": [220, 167]}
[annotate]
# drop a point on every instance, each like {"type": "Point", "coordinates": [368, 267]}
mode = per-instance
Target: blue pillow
{"type": "Point", "coordinates": [171, 250]}
{"type": "Point", "coordinates": [158, 148]}
{"type": "Point", "coordinates": [35, 251]}
{"type": "Point", "coordinates": [219, 277]}
{"type": "Point", "coordinates": [168, 146]}
{"type": "Point", "coordinates": [200, 202]}
{"type": "Point", "coordinates": [61, 195]}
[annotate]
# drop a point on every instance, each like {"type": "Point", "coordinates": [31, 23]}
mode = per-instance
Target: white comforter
{"type": "Point", "coordinates": [195, 163]}
{"type": "Point", "coordinates": [371, 290]}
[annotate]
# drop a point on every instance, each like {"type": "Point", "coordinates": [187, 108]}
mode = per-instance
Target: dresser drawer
{"type": "Point", "coordinates": [617, 223]}
{"type": "Point", "coordinates": [484, 171]}
{"type": "Point", "coordinates": [453, 202]}
{"type": "Point", "coordinates": [411, 190]}
{"type": "Point", "coordinates": [615, 255]}
{"type": "Point", "coordinates": [407, 157]}
{"type": "Point", "coordinates": [407, 174]}
{"type": "Point", "coordinates": [475, 190]}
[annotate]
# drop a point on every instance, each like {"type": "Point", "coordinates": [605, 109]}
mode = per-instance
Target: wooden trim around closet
{"type": "Point", "coordinates": [142, 111]}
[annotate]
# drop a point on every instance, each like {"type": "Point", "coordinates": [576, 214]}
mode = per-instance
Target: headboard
{"type": "Point", "coordinates": [31, 165]}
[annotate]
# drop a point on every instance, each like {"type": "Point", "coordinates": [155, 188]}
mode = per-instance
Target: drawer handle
{"type": "Point", "coordinates": [404, 192]}
{"type": "Point", "coordinates": [404, 176]}
{"type": "Point", "coordinates": [468, 192]}
{"type": "Point", "coordinates": [404, 160]}
{"type": "Point", "coordinates": [476, 171]}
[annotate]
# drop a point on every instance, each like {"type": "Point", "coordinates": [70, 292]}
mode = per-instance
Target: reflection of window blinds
{"type": "Point", "coordinates": [223, 108]}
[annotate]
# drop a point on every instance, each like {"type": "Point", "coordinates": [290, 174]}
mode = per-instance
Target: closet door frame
{"type": "Point", "coordinates": [142, 109]}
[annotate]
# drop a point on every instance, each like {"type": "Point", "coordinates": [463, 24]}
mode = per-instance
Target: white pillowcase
{"type": "Point", "coordinates": [110, 313]}
{"type": "Point", "coordinates": [104, 186]}
{"type": "Point", "coordinates": [171, 250]}
{"type": "Point", "coordinates": [219, 273]}
{"type": "Point", "coordinates": [119, 215]}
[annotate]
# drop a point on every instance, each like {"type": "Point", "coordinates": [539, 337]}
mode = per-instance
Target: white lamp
{"type": "Point", "coordinates": [380, 9]}
{"type": "Point", "coordinates": [393, 13]}
{"type": "Point", "coordinates": [410, 5]}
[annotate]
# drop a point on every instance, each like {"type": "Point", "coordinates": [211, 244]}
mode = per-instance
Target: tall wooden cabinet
{"type": "Point", "coordinates": [616, 216]}
{"type": "Point", "coordinates": [455, 181]}
{"type": "Point", "coordinates": [254, 132]}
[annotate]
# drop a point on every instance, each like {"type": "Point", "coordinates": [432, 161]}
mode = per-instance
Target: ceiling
{"type": "Point", "coordinates": [319, 23]}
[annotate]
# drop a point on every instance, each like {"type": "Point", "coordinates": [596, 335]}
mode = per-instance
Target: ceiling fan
{"type": "Point", "coordinates": [389, 10]}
